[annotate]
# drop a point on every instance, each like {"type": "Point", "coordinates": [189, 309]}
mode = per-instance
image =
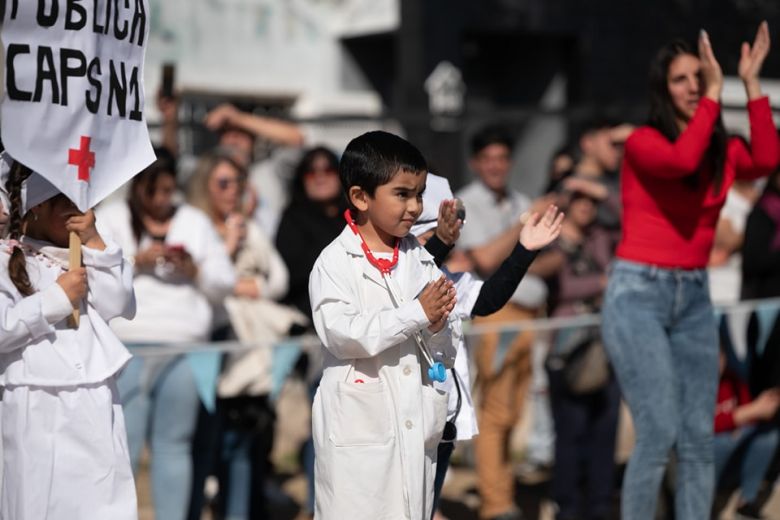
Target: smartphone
{"type": "Point", "coordinates": [175, 249]}
{"type": "Point", "coordinates": [168, 77]}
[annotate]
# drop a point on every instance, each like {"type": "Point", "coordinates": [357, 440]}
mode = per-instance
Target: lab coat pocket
{"type": "Point", "coordinates": [362, 415]}
{"type": "Point", "coordinates": [434, 415]}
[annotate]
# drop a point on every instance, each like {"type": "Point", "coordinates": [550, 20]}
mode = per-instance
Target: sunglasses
{"type": "Point", "coordinates": [330, 170]}
{"type": "Point", "coordinates": [224, 183]}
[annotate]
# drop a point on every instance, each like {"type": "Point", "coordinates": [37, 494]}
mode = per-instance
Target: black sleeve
{"type": "Point", "coordinates": [438, 249]}
{"type": "Point", "coordinates": [497, 289]}
{"type": "Point", "coordinates": [759, 260]}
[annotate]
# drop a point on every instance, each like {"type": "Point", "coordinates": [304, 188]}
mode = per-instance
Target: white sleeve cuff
{"type": "Point", "coordinates": [55, 305]}
{"type": "Point", "coordinates": [413, 316]}
{"type": "Point", "coordinates": [111, 256]}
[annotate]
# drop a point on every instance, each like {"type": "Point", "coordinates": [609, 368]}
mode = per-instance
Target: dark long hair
{"type": "Point", "coordinates": [164, 165]}
{"type": "Point", "coordinates": [17, 264]}
{"type": "Point", "coordinates": [663, 116]}
{"type": "Point", "coordinates": [298, 195]}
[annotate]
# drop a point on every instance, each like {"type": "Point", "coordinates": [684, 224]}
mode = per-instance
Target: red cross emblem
{"type": "Point", "coordinates": [83, 158]}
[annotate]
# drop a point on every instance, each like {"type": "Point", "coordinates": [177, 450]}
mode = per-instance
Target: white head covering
{"type": "Point", "coordinates": [437, 190]}
{"type": "Point", "coordinates": [35, 189]}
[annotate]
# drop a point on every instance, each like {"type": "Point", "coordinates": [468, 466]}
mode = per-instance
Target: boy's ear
{"type": "Point", "coordinates": [358, 197]}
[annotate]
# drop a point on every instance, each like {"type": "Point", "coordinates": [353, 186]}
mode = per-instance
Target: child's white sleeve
{"type": "Point", "coordinates": [351, 333]}
{"type": "Point", "coordinates": [32, 317]}
{"type": "Point", "coordinates": [110, 281]}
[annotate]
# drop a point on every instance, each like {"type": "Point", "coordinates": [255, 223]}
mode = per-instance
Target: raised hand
{"type": "Point", "coordinates": [752, 58]}
{"type": "Point", "coordinates": [539, 232]}
{"type": "Point", "coordinates": [711, 73]}
{"type": "Point", "coordinates": [448, 224]}
{"type": "Point", "coordinates": [235, 232]}
{"type": "Point", "coordinates": [220, 116]}
{"type": "Point", "coordinates": [83, 224]}
{"type": "Point", "coordinates": [438, 300]}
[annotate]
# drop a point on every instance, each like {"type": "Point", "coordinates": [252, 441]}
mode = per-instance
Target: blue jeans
{"type": "Point", "coordinates": [246, 438]}
{"type": "Point", "coordinates": [742, 457]}
{"type": "Point", "coordinates": [660, 333]}
{"type": "Point", "coordinates": [162, 405]}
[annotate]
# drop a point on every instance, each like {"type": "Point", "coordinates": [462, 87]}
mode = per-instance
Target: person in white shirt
{"type": "Point", "coordinates": [725, 265]}
{"type": "Point", "coordinates": [382, 311]}
{"type": "Point", "coordinates": [253, 316]}
{"type": "Point", "coordinates": [65, 448]}
{"type": "Point", "coordinates": [181, 271]}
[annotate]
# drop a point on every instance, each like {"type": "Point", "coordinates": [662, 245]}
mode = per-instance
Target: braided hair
{"type": "Point", "coordinates": [17, 264]}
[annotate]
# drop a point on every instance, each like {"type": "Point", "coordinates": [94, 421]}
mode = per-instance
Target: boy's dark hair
{"type": "Point", "coordinates": [493, 134]}
{"type": "Point", "coordinates": [373, 159]}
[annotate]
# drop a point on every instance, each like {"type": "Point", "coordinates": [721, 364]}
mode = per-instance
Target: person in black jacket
{"type": "Point", "coordinates": [761, 248]}
{"type": "Point", "coordinates": [761, 279]}
{"type": "Point", "coordinates": [312, 220]}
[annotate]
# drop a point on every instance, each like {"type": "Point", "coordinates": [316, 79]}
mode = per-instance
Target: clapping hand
{"type": "Point", "coordinates": [438, 300]}
{"type": "Point", "coordinates": [539, 232]}
{"type": "Point", "coordinates": [752, 58]}
{"type": "Point", "coordinates": [711, 73]}
{"type": "Point", "coordinates": [448, 224]}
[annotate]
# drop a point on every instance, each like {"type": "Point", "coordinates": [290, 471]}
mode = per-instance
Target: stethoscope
{"type": "Point", "coordinates": [436, 370]}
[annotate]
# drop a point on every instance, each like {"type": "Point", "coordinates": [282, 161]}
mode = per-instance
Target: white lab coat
{"type": "Point", "coordinates": [65, 448]}
{"type": "Point", "coordinates": [375, 441]}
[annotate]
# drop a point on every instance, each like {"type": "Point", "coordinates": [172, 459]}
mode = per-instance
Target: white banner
{"type": "Point", "coordinates": [74, 97]}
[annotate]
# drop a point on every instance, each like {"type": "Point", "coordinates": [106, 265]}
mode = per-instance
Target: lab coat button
{"type": "Point", "coordinates": [409, 425]}
{"type": "Point", "coordinates": [79, 366]}
{"type": "Point", "coordinates": [407, 371]}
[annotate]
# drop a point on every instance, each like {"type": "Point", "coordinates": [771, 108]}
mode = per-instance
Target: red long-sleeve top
{"type": "Point", "coordinates": [666, 221]}
{"type": "Point", "coordinates": [732, 393]}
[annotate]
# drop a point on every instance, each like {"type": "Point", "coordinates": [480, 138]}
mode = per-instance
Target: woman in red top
{"type": "Point", "coordinates": [658, 323]}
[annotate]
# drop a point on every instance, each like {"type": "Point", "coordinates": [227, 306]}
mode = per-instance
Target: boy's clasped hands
{"type": "Point", "coordinates": [438, 300]}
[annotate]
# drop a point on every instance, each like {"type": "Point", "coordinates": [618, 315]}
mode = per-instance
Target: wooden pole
{"type": "Point", "coordinates": [75, 263]}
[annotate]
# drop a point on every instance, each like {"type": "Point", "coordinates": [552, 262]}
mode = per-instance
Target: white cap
{"type": "Point", "coordinates": [437, 190]}
{"type": "Point", "coordinates": [35, 189]}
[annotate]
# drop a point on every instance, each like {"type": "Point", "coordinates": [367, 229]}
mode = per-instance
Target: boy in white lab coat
{"type": "Point", "coordinates": [376, 417]}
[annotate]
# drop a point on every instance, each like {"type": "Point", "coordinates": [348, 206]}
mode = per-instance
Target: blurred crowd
{"type": "Point", "coordinates": [223, 251]}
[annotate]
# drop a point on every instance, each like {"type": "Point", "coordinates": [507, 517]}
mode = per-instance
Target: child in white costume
{"type": "Point", "coordinates": [65, 450]}
{"type": "Point", "coordinates": [376, 417]}
{"type": "Point", "coordinates": [437, 229]}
